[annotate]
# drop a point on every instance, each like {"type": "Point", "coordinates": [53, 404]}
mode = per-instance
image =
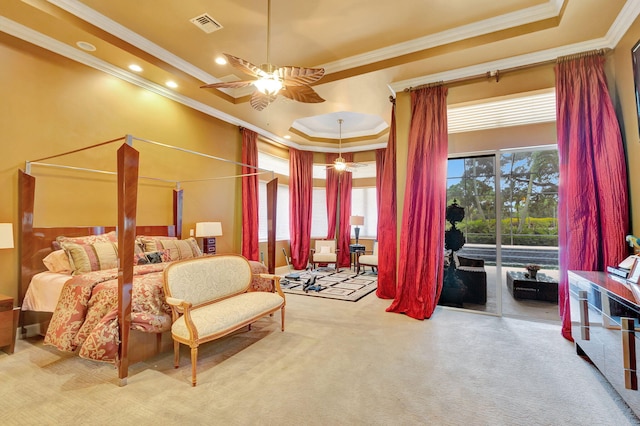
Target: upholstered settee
{"type": "Point", "coordinates": [474, 277]}
{"type": "Point", "coordinates": [211, 297]}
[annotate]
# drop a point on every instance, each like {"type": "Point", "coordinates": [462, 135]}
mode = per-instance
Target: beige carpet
{"type": "Point", "coordinates": [336, 364]}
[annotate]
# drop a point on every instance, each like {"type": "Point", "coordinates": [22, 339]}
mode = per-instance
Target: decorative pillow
{"type": "Point", "coordinates": [90, 239]}
{"type": "Point", "coordinates": [178, 249]}
{"type": "Point", "coordinates": [325, 249]}
{"type": "Point", "coordinates": [91, 257]}
{"type": "Point", "coordinates": [152, 257]}
{"type": "Point", "coordinates": [148, 243]}
{"type": "Point", "coordinates": [57, 261]}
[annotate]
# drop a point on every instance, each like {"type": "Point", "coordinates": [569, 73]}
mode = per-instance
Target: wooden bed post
{"type": "Point", "coordinates": [272, 198]}
{"type": "Point", "coordinates": [128, 162]}
{"type": "Point", "coordinates": [27, 184]}
{"type": "Point", "coordinates": [177, 211]}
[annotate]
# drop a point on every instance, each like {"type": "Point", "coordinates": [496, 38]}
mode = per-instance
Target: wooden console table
{"type": "Point", "coordinates": [605, 315]}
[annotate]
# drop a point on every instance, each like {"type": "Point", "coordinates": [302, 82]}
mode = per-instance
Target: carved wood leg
{"type": "Point", "coordinates": [282, 318]}
{"type": "Point", "coordinates": [176, 354]}
{"type": "Point", "coordinates": [194, 363]}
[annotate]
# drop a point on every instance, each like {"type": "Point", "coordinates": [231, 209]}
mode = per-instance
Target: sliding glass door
{"type": "Point", "coordinates": [500, 242]}
{"type": "Point", "coordinates": [472, 185]}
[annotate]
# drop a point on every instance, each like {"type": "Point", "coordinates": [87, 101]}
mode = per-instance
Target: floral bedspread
{"type": "Point", "coordinates": [86, 318]}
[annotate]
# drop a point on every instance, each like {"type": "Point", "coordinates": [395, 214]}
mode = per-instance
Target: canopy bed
{"type": "Point", "coordinates": [112, 308]}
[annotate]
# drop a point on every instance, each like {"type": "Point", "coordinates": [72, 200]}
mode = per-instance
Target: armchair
{"type": "Point", "coordinates": [368, 259]}
{"type": "Point", "coordinates": [473, 275]}
{"type": "Point", "coordinates": [325, 252]}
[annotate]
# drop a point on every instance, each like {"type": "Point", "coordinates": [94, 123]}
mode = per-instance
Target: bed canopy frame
{"type": "Point", "coordinates": [34, 240]}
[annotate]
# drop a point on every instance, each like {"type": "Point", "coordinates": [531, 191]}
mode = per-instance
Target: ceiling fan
{"type": "Point", "coordinates": [289, 81]}
{"type": "Point", "coordinates": [340, 164]}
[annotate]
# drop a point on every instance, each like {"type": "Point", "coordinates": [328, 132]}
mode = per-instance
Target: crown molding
{"type": "Point", "coordinates": [623, 21]}
{"type": "Point", "coordinates": [621, 24]}
{"type": "Point", "coordinates": [525, 16]}
{"type": "Point", "coordinates": [93, 17]}
{"type": "Point", "coordinates": [509, 20]}
{"type": "Point", "coordinates": [502, 64]}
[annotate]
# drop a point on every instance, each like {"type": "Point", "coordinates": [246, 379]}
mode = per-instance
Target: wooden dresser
{"type": "Point", "coordinates": [8, 324]}
{"type": "Point", "coordinates": [605, 317]}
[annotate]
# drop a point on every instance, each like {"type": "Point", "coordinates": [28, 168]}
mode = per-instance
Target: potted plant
{"type": "Point", "coordinates": [532, 270]}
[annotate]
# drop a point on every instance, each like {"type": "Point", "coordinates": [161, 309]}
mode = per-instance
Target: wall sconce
{"type": "Point", "coordinates": [208, 231]}
{"type": "Point", "coordinates": [357, 220]}
{"type": "Point", "coordinates": [6, 235]}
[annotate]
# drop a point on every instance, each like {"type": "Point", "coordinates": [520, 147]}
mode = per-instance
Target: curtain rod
{"type": "Point", "coordinates": [498, 73]}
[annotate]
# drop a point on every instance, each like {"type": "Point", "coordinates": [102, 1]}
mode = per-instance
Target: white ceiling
{"type": "Point", "coordinates": [369, 49]}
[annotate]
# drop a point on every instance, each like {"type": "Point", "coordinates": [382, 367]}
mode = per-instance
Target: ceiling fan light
{"type": "Point", "coordinates": [270, 85]}
{"type": "Point", "coordinates": [340, 165]}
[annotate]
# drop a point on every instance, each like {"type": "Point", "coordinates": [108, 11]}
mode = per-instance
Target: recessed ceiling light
{"type": "Point", "coordinates": [86, 46]}
{"type": "Point", "coordinates": [136, 68]}
{"type": "Point", "coordinates": [287, 137]}
{"type": "Point", "coordinates": [221, 61]}
{"type": "Point", "coordinates": [171, 84]}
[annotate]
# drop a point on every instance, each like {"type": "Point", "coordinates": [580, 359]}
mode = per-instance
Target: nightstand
{"type": "Point", "coordinates": [209, 245]}
{"type": "Point", "coordinates": [8, 324]}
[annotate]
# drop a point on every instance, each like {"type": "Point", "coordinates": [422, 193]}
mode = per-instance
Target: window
{"type": "Point", "coordinates": [281, 167]}
{"type": "Point", "coordinates": [530, 197]}
{"type": "Point", "coordinates": [282, 215]}
{"type": "Point", "coordinates": [319, 220]}
{"type": "Point", "coordinates": [364, 203]}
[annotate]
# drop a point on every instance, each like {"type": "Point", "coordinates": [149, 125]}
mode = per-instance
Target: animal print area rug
{"type": "Point", "coordinates": [344, 285]}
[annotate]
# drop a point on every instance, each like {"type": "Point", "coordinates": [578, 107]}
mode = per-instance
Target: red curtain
{"type": "Point", "coordinates": [300, 201]}
{"type": "Point", "coordinates": [343, 180]}
{"type": "Point", "coordinates": [421, 265]}
{"type": "Point", "coordinates": [593, 205]}
{"type": "Point", "coordinates": [387, 214]}
{"type": "Point", "coordinates": [250, 245]}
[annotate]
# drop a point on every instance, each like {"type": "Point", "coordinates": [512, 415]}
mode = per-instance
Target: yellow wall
{"type": "Point", "coordinates": [52, 105]}
{"type": "Point", "coordinates": [622, 87]}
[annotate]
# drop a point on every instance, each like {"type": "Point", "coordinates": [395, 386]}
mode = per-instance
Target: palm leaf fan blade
{"type": "Point", "coordinates": [260, 101]}
{"type": "Point", "coordinates": [299, 76]}
{"type": "Point", "coordinates": [228, 85]}
{"type": "Point", "coordinates": [245, 66]}
{"type": "Point", "coordinates": [303, 94]}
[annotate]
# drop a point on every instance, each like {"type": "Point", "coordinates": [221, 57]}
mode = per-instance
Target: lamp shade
{"type": "Point", "coordinates": [357, 220]}
{"type": "Point", "coordinates": [208, 229]}
{"type": "Point", "coordinates": [6, 235]}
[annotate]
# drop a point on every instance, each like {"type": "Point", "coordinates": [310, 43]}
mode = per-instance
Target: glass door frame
{"type": "Point", "coordinates": [498, 230]}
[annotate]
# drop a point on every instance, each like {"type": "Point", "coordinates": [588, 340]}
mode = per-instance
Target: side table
{"type": "Point", "coordinates": [8, 324]}
{"type": "Point", "coordinates": [541, 288]}
{"type": "Point", "coordinates": [354, 249]}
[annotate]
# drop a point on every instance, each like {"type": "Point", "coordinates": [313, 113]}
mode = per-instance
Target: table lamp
{"type": "Point", "coordinates": [208, 231]}
{"type": "Point", "coordinates": [6, 235]}
{"type": "Point", "coordinates": [357, 220]}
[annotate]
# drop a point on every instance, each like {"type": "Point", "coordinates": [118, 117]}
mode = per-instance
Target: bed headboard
{"type": "Point", "coordinates": [36, 245]}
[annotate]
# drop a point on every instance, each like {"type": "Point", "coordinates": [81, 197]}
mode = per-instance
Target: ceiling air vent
{"type": "Point", "coordinates": [206, 23]}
